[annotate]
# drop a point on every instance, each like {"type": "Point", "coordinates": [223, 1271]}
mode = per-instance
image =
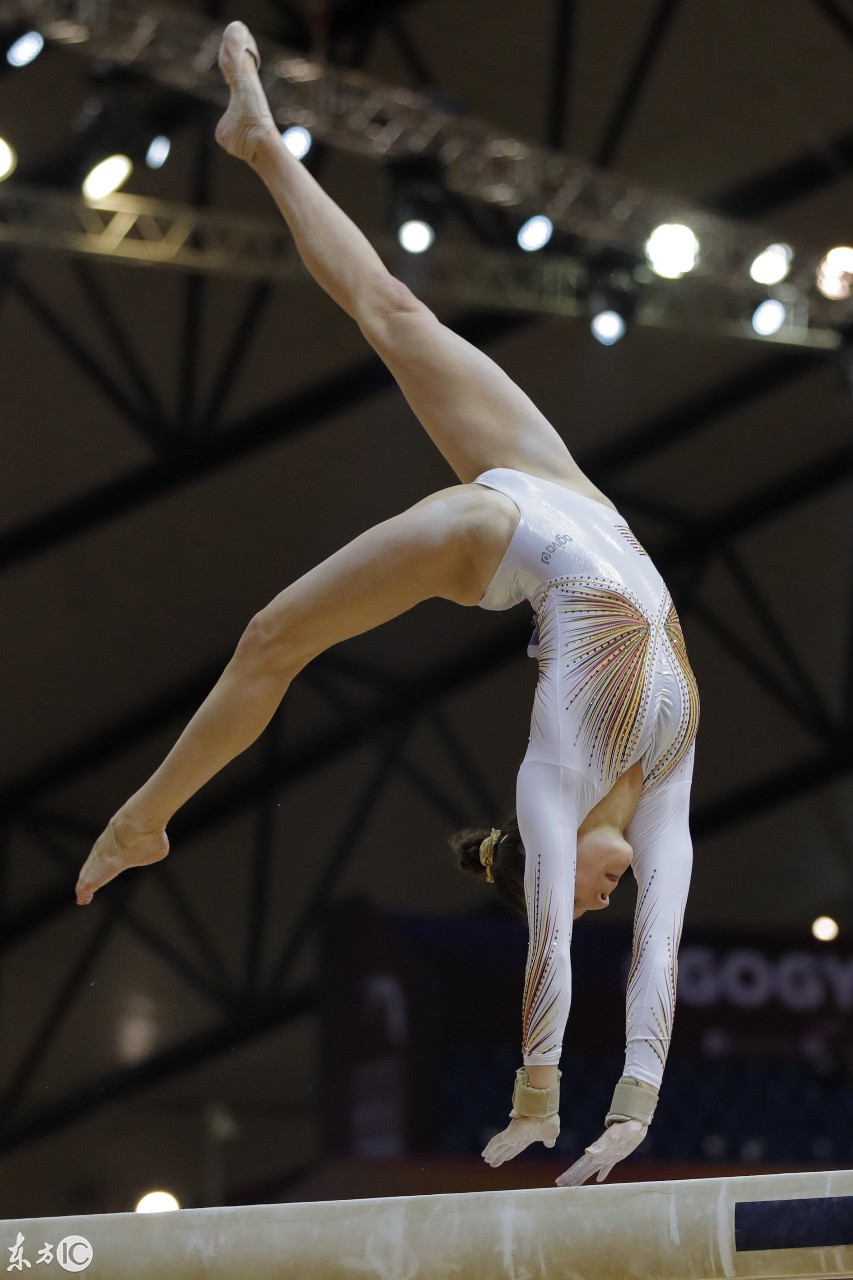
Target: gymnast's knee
{"type": "Point", "coordinates": [268, 646]}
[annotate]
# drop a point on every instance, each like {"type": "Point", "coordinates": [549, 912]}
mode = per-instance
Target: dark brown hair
{"type": "Point", "coordinates": [508, 865]}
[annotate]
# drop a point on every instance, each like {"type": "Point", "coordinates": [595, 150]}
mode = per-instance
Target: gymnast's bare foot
{"type": "Point", "coordinates": [123, 844]}
{"type": "Point", "coordinates": [248, 117]}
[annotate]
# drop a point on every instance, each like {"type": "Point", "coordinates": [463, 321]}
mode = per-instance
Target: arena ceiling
{"type": "Point", "coordinates": [178, 446]}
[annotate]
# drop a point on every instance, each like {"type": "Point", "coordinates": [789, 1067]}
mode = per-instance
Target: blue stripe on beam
{"type": "Point", "coordinates": [793, 1224]}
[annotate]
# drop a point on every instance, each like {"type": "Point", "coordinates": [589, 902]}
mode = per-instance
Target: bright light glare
{"type": "Point", "coordinates": [772, 264]}
{"type": "Point", "coordinates": [25, 49]}
{"type": "Point", "coordinates": [672, 250]}
{"type": "Point", "coordinates": [157, 1202]}
{"type": "Point", "coordinates": [107, 177]}
{"type": "Point", "coordinates": [608, 327]}
{"type": "Point", "coordinates": [825, 929]}
{"type": "Point", "coordinates": [768, 317]}
{"type": "Point", "coordinates": [535, 233]}
{"type": "Point", "coordinates": [158, 152]}
{"type": "Point", "coordinates": [298, 141]}
{"type": "Point", "coordinates": [8, 159]}
{"type": "Point", "coordinates": [835, 273]}
{"type": "Point", "coordinates": [416, 236]}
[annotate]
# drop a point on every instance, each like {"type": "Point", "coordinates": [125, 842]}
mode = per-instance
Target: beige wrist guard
{"type": "Point", "coordinates": [527, 1101]}
{"type": "Point", "coordinates": [631, 1101]}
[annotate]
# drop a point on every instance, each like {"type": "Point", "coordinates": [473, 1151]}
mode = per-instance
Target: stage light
{"type": "Point", "coordinates": [772, 265]}
{"type": "Point", "coordinates": [158, 1202]}
{"type": "Point", "coordinates": [768, 317]}
{"type": "Point", "coordinates": [298, 141]}
{"type": "Point", "coordinates": [416, 236]}
{"type": "Point", "coordinates": [608, 327]}
{"type": "Point", "coordinates": [535, 233]}
{"type": "Point", "coordinates": [158, 151]}
{"type": "Point", "coordinates": [835, 274]}
{"type": "Point", "coordinates": [672, 250]}
{"type": "Point", "coordinates": [825, 929]}
{"type": "Point", "coordinates": [8, 160]}
{"type": "Point", "coordinates": [416, 201]}
{"type": "Point", "coordinates": [107, 177]}
{"type": "Point", "coordinates": [25, 49]}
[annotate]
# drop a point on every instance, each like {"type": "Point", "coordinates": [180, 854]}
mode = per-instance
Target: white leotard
{"type": "Point", "coordinates": [615, 687]}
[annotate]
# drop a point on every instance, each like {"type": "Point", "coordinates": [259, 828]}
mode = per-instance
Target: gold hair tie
{"type": "Point", "coordinates": [487, 853]}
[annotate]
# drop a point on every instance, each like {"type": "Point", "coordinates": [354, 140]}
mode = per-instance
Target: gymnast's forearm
{"type": "Point", "coordinates": [338, 255]}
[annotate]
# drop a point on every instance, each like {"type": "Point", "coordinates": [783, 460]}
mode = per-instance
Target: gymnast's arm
{"type": "Point", "coordinates": [547, 810]}
{"type": "Point", "coordinates": [659, 834]}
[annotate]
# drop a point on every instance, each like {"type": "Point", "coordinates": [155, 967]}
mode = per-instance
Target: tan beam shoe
{"type": "Point", "coordinates": [248, 117]}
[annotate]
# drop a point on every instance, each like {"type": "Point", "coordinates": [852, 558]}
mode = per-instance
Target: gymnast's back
{"type": "Point", "coordinates": [564, 534]}
{"type": "Point", "coordinates": [615, 686]}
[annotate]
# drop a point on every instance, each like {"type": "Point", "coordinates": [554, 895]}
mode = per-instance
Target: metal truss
{"type": "Point", "coordinates": [351, 111]}
{"type": "Point", "coordinates": [146, 232]}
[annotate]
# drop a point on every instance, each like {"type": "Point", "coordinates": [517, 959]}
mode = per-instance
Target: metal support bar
{"type": "Point", "coordinates": [557, 131]}
{"type": "Point", "coordinates": [342, 852]}
{"type": "Point", "coordinates": [637, 78]}
{"type": "Point", "coordinates": [137, 231]}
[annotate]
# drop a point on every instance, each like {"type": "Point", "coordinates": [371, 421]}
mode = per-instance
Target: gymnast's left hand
{"type": "Point", "coordinates": [519, 1133]}
{"type": "Point", "coordinates": [614, 1145]}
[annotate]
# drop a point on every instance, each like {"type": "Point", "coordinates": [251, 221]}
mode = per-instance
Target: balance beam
{"type": "Point", "coordinates": [767, 1227]}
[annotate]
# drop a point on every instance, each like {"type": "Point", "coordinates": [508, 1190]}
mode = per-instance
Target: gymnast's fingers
{"type": "Point", "coordinates": [582, 1169]}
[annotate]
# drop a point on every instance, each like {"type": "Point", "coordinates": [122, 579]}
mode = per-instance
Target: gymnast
{"type": "Point", "coordinates": [605, 781]}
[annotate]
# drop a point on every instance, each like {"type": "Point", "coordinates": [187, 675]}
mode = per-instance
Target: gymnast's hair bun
{"type": "Point", "coordinates": [507, 864]}
{"type": "Point", "coordinates": [466, 849]}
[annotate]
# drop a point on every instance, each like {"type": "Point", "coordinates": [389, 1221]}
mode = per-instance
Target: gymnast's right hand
{"type": "Point", "coordinates": [119, 846]}
{"type": "Point", "coordinates": [519, 1133]}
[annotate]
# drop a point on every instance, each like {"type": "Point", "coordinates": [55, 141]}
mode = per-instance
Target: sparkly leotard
{"type": "Point", "coordinates": [615, 687]}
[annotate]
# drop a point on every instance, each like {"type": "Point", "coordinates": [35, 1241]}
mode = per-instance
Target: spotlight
{"type": "Point", "coordinates": [8, 160]}
{"type": "Point", "coordinates": [417, 201]}
{"type": "Point", "coordinates": [158, 1202]}
{"type": "Point", "coordinates": [825, 929]}
{"type": "Point", "coordinates": [772, 265]}
{"type": "Point", "coordinates": [158, 151]}
{"type": "Point", "coordinates": [25, 49]}
{"type": "Point", "coordinates": [768, 317]}
{"type": "Point", "coordinates": [608, 327]}
{"type": "Point", "coordinates": [107, 177]}
{"type": "Point", "coordinates": [416, 236]}
{"type": "Point", "coordinates": [535, 233]}
{"type": "Point", "coordinates": [298, 141]}
{"type": "Point", "coordinates": [835, 274]}
{"type": "Point", "coordinates": [672, 250]}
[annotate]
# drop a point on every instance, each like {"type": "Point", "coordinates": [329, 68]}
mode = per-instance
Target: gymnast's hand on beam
{"type": "Point", "coordinates": [519, 1133]}
{"type": "Point", "coordinates": [614, 1145]}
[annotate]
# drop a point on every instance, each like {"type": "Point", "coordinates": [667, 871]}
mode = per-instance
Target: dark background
{"type": "Point", "coordinates": [177, 448]}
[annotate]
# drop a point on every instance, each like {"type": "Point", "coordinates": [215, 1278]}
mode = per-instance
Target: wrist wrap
{"type": "Point", "coordinates": [631, 1101]}
{"type": "Point", "coordinates": [527, 1101]}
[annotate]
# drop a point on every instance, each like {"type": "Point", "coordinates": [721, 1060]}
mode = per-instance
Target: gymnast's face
{"type": "Point", "coordinates": [604, 855]}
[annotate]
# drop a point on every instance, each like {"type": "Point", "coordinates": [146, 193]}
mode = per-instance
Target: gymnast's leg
{"type": "Point", "coordinates": [474, 413]}
{"type": "Point", "coordinates": [423, 552]}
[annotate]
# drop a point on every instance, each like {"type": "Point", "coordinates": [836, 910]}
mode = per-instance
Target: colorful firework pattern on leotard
{"type": "Point", "coordinates": [659, 1017]}
{"type": "Point", "coordinates": [541, 988]}
{"type": "Point", "coordinates": [689, 690]}
{"type": "Point", "coordinates": [606, 651]}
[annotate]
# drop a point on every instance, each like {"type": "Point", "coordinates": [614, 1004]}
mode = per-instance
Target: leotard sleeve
{"type": "Point", "coordinates": [549, 801]}
{"type": "Point", "coordinates": [663, 859]}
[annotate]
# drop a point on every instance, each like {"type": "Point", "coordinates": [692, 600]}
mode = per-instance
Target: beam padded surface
{"type": "Point", "coordinates": [796, 1224]}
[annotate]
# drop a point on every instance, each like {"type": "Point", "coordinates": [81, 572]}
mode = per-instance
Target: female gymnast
{"type": "Point", "coordinates": [605, 782]}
